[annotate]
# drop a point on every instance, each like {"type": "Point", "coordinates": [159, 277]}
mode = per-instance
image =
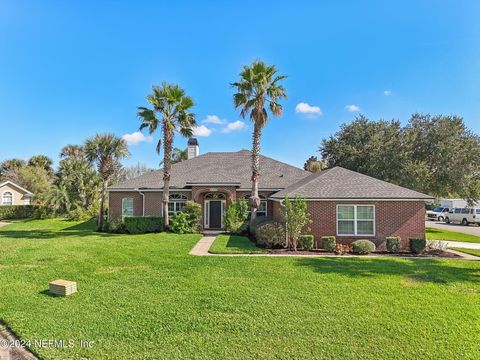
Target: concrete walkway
{"type": "Point", "coordinates": [461, 244]}
{"type": "Point", "coordinates": [3, 223]}
{"type": "Point", "coordinates": [201, 248]}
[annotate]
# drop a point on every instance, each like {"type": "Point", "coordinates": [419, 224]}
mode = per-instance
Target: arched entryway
{"type": "Point", "coordinates": [214, 210]}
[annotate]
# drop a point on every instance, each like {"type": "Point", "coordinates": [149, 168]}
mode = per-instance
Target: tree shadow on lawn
{"type": "Point", "coordinates": [421, 270]}
{"type": "Point", "coordinates": [84, 229]}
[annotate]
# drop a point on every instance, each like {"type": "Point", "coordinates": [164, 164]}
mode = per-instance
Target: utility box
{"type": "Point", "coordinates": [62, 287]}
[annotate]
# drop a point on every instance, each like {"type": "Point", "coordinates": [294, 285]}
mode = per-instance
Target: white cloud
{"type": "Point", "coordinates": [214, 119]}
{"type": "Point", "coordinates": [234, 126]}
{"type": "Point", "coordinates": [387, 93]}
{"type": "Point", "coordinates": [202, 130]}
{"type": "Point", "coordinates": [136, 138]}
{"type": "Point", "coordinates": [352, 108]}
{"type": "Point", "coordinates": [305, 108]}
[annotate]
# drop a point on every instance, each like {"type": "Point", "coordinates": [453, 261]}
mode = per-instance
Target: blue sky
{"type": "Point", "coordinates": [71, 69]}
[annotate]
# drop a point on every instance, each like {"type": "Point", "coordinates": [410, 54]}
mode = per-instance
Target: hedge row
{"type": "Point", "coordinates": [13, 212]}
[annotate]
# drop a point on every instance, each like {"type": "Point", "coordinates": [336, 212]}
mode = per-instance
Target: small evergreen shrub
{"type": "Point", "coordinates": [236, 217]}
{"type": "Point", "coordinates": [363, 247]}
{"type": "Point", "coordinates": [115, 226]}
{"type": "Point", "coordinates": [44, 213]}
{"type": "Point", "coordinates": [328, 243]}
{"type": "Point", "coordinates": [417, 245]}
{"type": "Point", "coordinates": [253, 225]}
{"type": "Point", "coordinates": [79, 214]}
{"type": "Point", "coordinates": [179, 223]}
{"type": "Point", "coordinates": [306, 242]}
{"type": "Point", "coordinates": [271, 235]}
{"type": "Point", "coordinates": [143, 224]}
{"type": "Point", "coordinates": [12, 212]}
{"type": "Point", "coordinates": [393, 244]}
{"type": "Point", "coordinates": [192, 212]}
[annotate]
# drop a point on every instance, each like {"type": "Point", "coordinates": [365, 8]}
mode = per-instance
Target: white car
{"type": "Point", "coordinates": [438, 214]}
{"type": "Point", "coordinates": [463, 216]}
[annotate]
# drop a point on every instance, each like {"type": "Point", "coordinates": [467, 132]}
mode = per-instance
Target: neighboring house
{"type": "Point", "coordinates": [341, 202]}
{"type": "Point", "coordinates": [13, 194]}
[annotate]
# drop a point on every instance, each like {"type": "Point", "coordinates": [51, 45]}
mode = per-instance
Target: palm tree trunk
{"type": "Point", "coordinates": [102, 205]}
{"type": "Point", "coordinates": [167, 164]}
{"type": "Point", "coordinates": [254, 198]}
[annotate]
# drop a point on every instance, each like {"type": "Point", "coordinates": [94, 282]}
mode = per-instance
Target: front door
{"type": "Point", "coordinates": [215, 220]}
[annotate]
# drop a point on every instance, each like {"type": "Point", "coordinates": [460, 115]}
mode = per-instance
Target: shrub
{"type": "Point", "coordinates": [236, 217]}
{"type": "Point", "coordinates": [192, 212]}
{"type": "Point", "coordinates": [12, 212]}
{"type": "Point", "coordinates": [306, 242]}
{"type": "Point", "coordinates": [79, 214]}
{"type": "Point", "coordinates": [363, 247]}
{"type": "Point", "coordinates": [341, 249]}
{"type": "Point", "coordinates": [296, 218]}
{"type": "Point", "coordinates": [115, 225]}
{"type": "Point", "coordinates": [44, 213]}
{"type": "Point", "coordinates": [393, 244]}
{"type": "Point", "coordinates": [179, 223]}
{"type": "Point", "coordinates": [417, 245]}
{"type": "Point", "coordinates": [143, 224]}
{"type": "Point", "coordinates": [255, 223]}
{"type": "Point", "coordinates": [271, 234]}
{"type": "Point", "coordinates": [328, 243]}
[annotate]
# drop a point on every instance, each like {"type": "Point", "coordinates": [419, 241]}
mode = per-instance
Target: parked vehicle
{"type": "Point", "coordinates": [441, 212]}
{"type": "Point", "coordinates": [464, 216]}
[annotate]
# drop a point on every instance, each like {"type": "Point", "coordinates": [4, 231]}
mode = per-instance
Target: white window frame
{"type": "Point", "coordinates": [355, 220]}
{"type": "Point", "coordinates": [175, 200]}
{"type": "Point", "coordinates": [11, 195]}
{"type": "Point", "coordinates": [123, 206]}
{"type": "Point", "coordinates": [263, 199]}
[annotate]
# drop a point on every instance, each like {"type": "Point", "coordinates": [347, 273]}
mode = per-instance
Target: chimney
{"type": "Point", "coordinates": [193, 150]}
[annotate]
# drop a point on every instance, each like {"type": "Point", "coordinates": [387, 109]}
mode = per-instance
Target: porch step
{"type": "Point", "coordinates": [213, 232]}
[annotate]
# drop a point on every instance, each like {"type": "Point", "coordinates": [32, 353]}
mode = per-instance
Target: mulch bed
{"type": "Point", "coordinates": [425, 254]}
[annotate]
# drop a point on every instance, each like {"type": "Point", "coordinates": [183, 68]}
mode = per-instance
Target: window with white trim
{"type": "Point", "coordinates": [176, 203]}
{"type": "Point", "coordinates": [356, 220]}
{"type": "Point", "coordinates": [7, 198]}
{"type": "Point", "coordinates": [127, 207]}
{"type": "Point", "coordinates": [262, 209]}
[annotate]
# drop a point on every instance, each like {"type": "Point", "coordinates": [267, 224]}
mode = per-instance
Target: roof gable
{"type": "Point", "coordinates": [18, 187]}
{"type": "Point", "coordinates": [340, 183]}
{"type": "Point", "coordinates": [227, 168]}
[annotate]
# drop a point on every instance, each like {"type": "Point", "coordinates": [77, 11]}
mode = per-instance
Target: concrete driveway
{"type": "Point", "coordinates": [471, 229]}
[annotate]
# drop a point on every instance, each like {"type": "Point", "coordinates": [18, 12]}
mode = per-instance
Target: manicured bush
{"type": "Point", "coordinates": [306, 242]}
{"type": "Point", "coordinates": [417, 245]}
{"type": "Point", "coordinates": [44, 213]}
{"type": "Point", "coordinates": [328, 243]}
{"type": "Point", "coordinates": [341, 249]}
{"type": "Point", "coordinates": [115, 226]}
{"type": "Point", "coordinates": [143, 224]}
{"type": "Point", "coordinates": [363, 247]}
{"type": "Point", "coordinates": [393, 244]}
{"type": "Point", "coordinates": [12, 212]}
{"type": "Point", "coordinates": [253, 225]}
{"type": "Point", "coordinates": [192, 212]}
{"type": "Point", "coordinates": [271, 234]}
{"type": "Point", "coordinates": [236, 217]}
{"type": "Point", "coordinates": [179, 223]}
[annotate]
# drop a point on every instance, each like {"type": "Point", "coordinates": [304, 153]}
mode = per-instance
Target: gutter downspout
{"type": "Point", "coordinates": [143, 201]}
{"type": "Point", "coordinates": [286, 221]}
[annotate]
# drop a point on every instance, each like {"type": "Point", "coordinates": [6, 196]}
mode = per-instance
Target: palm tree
{"type": "Point", "coordinates": [258, 85]}
{"type": "Point", "coordinates": [106, 151]}
{"type": "Point", "coordinates": [72, 151]}
{"type": "Point", "coordinates": [170, 112]}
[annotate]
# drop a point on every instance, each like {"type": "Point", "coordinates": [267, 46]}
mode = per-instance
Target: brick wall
{"type": "Point", "coordinates": [392, 218]}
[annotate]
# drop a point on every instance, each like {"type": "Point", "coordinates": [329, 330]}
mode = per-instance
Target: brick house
{"type": "Point", "coordinates": [341, 202]}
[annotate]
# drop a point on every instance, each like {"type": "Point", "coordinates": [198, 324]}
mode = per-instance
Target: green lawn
{"type": "Point", "coordinates": [234, 244]}
{"type": "Point", "coordinates": [144, 297]}
{"type": "Point", "coordinates": [475, 252]}
{"type": "Point", "coordinates": [439, 234]}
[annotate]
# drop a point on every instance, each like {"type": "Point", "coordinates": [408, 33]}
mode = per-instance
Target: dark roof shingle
{"type": "Point", "coordinates": [340, 183]}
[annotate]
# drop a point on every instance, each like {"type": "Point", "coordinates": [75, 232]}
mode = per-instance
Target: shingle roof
{"type": "Point", "coordinates": [220, 168]}
{"type": "Point", "coordinates": [340, 183]}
